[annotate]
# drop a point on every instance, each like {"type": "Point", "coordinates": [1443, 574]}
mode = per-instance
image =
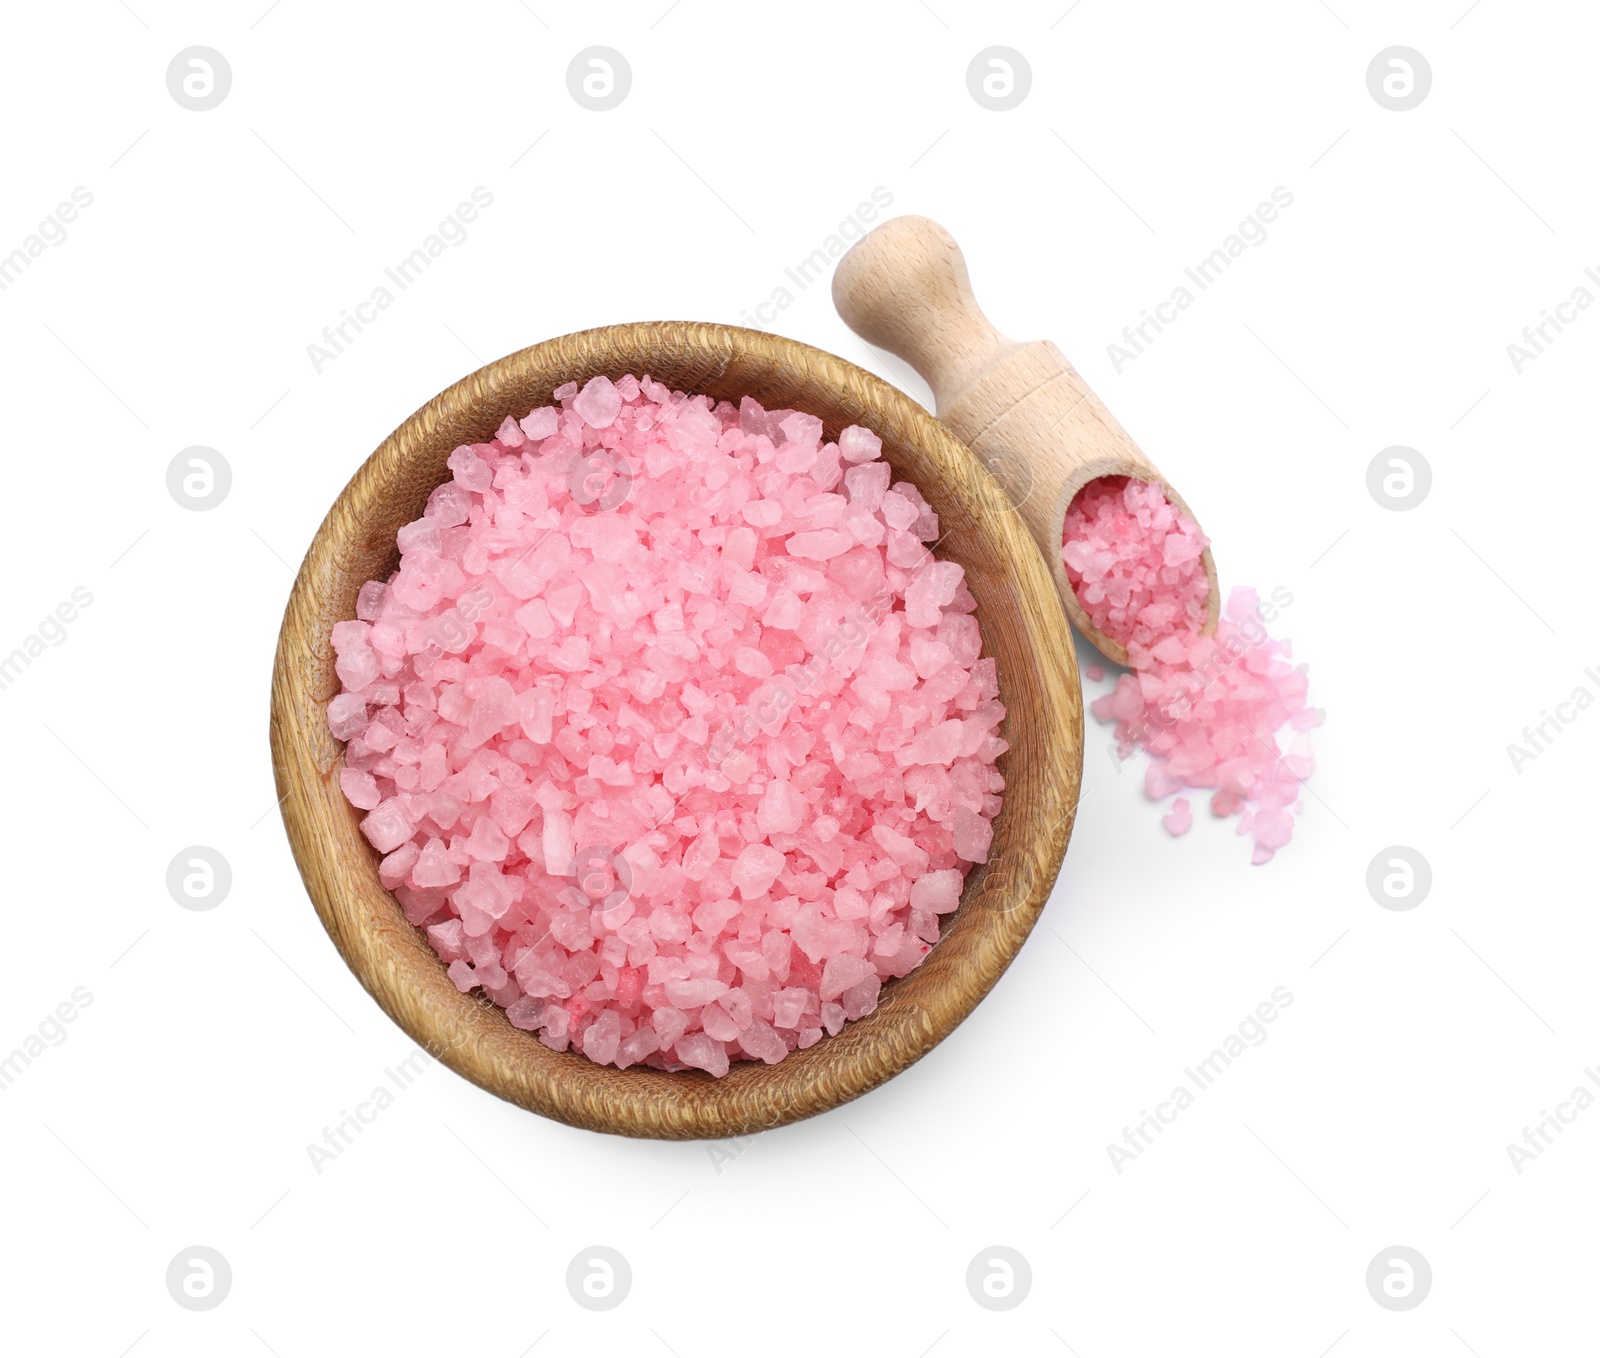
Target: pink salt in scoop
{"type": "Point", "coordinates": [1135, 562]}
{"type": "Point", "coordinates": [673, 732]}
{"type": "Point", "coordinates": [1207, 710]}
{"type": "Point", "coordinates": [1135, 568]}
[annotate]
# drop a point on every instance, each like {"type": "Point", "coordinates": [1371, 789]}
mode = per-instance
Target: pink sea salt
{"type": "Point", "coordinates": [1134, 561]}
{"type": "Point", "coordinates": [1207, 710]}
{"type": "Point", "coordinates": [1178, 820]}
{"type": "Point", "coordinates": [675, 736]}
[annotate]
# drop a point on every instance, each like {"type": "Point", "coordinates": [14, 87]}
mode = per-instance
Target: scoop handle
{"type": "Point", "coordinates": [1021, 407]}
{"type": "Point", "coordinates": [904, 287]}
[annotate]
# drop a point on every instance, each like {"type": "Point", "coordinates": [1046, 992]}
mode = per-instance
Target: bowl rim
{"type": "Point", "coordinates": [468, 1032]}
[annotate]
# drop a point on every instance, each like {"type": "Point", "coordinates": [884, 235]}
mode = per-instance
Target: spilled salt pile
{"type": "Point", "coordinates": [674, 733]}
{"type": "Point", "coordinates": [1207, 710]}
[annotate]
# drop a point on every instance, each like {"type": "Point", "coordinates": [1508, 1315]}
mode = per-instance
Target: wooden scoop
{"type": "Point", "coordinates": [1021, 407]}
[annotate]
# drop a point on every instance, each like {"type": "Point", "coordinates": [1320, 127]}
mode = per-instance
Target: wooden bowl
{"type": "Point", "coordinates": [1023, 628]}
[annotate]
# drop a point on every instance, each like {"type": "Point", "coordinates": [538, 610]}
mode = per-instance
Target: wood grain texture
{"type": "Point", "coordinates": [1023, 628]}
{"type": "Point", "coordinates": [1021, 407]}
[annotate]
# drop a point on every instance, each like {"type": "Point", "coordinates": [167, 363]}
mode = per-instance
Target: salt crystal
{"type": "Point", "coordinates": [471, 472]}
{"type": "Point", "coordinates": [971, 835]}
{"type": "Point", "coordinates": [369, 600]}
{"type": "Point", "coordinates": [748, 660]}
{"type": "Point", "coordinates": [857, 444]}
{"type": "Point", "coordinates": [842, 971]}
{"type": "Point", "coordinates": [755, 869]}
{"type": "Point", "coordinates": [781, 809]}
{"type": "Point", "coordinates": [789, 1006]}
{"type": "Point", "coordinates": [602, 1037]}
{"type": "Point", "coordinates": [540, 424]}
{"type": "Point", "coordinates": [387, 827]}
{"type": "Point", "coordinates": [898, 512]}
{"type": "Point", "coordinates": [784, 610]}
{"type": "Point", "coordinates": [867, 484]}
{"type": "Point", "coordinates": [347, 716]}
{"type": "Point", "coordinates": [1178, 820]}
{"type": "Point", "coordinates": [703, 1053]}
{"type": "Point", "coordinates": [525, 1012]}
{"type": "Point", "coordinates": [434, 868]}
{"type": "Point", "coordinates": [938, 891]}
{"type": "Point", "coordinates": [761, 1043]}
{"type": "Point", "coordinates": [823, 545]}
{"type": "Point", "coordinates": [449, 504]}
{"type": "Point", "coordinates": [396, 867]}
{"type": "Point", "coordinates": [716, 1022]}
{"type": "Point", "coordinates": [861, 999]}
{"type": "Point", "coordinates": [598, 402]}
{"type": "Point", "coordinates": [634, 1048]}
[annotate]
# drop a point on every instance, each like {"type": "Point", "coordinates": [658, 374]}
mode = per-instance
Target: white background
{"type": "Point", "coordinates": [1419, 1043]}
